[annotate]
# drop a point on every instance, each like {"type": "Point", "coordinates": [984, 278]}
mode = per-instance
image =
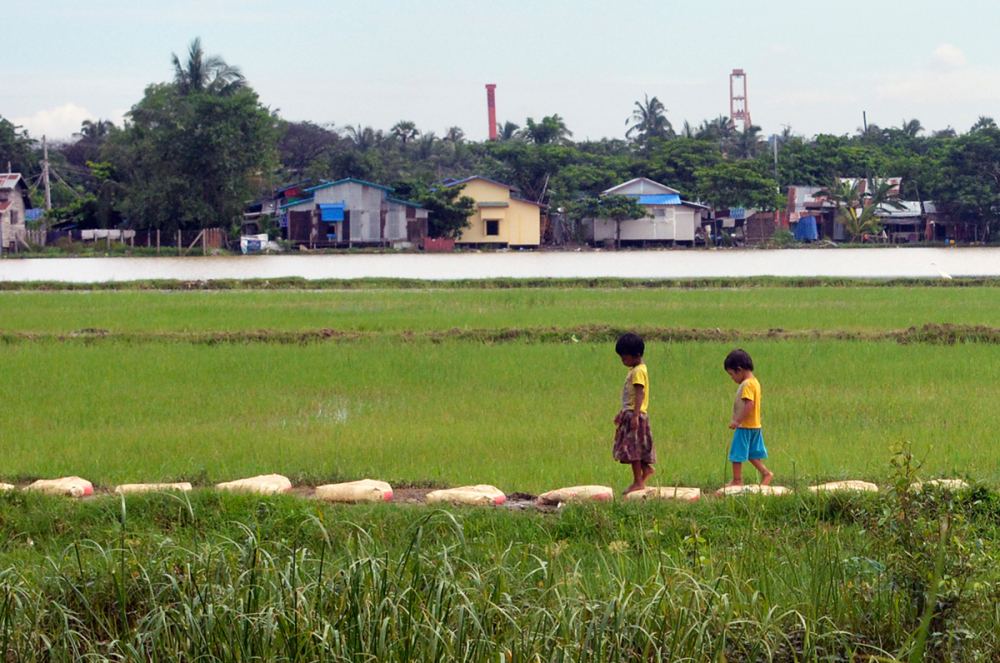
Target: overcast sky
{"type": "Point", "coordinates": [812, 65]}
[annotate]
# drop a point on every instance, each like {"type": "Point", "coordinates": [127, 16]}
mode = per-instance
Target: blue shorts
{"type": "Point", "coordinates": [748, 443]}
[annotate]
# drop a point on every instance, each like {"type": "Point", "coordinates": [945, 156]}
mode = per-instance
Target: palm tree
{"type": "Point", "coordinates": [552, 129]}
{"type": "Point", "coordinates": [96, 130]}
{"type": "Point", "coordinates": [405, 131]}
{"type": "Point", "coordinates": [202, 74]}
{"type": "Point", "coordinates": [983, 122]}
{"type": "Point", "coordinates": [745, 144]}
{"type": "Point", "coordinates": [717, 130]}
{"type": "Point", "coordinates": [856, 208]}
{"type": "Point", "coordinates": [911, 128]}
{"type": "Point", "coordinates": [454, 135]}
{"type": "Point", "coordinates": [649, 120]}
{"type": "Point", "coordinates": [508, 131]}
{"type": "Point", "coordinates": [687, 131]}
{"type": "Point", "coordinates": [365, 139]}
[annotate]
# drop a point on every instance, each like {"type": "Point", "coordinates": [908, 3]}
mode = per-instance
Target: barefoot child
{"type": "Point", "coordinates": [748, 442]}
{"type": "Point", "coordinates": [633, 440]}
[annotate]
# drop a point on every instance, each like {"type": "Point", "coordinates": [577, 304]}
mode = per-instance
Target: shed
{"type": "Point", "coordinates": [668, 217]}
{"type": "Point", "coordinates": [15, 201]}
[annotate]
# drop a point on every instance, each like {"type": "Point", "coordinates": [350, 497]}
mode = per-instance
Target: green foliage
{"type": "Point", "coordinates": [17, 148]}
{"type": "Point", "coordinates": [738, 184]}
{"type": "Point", "coordinates": [190, 161]}
{"type": "Point", "coordinates": [857, 209]}
{"type": "Point", "coordinates": [448, 211]}
{"type": "Point", "coordinates": [612, 206]}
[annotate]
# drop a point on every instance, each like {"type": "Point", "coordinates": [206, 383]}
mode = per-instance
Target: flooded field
{"type": "Point", "coordinates": [871, 263]}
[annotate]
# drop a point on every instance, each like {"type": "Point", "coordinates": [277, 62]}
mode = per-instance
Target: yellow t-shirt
{"type": "Point", "coordinates": [637, 376]}
{"type": "Point", "coordinates": [748, 390]}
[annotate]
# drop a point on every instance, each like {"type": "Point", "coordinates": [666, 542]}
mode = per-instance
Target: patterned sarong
{"type": "Point", "coordinates": [634, 445]}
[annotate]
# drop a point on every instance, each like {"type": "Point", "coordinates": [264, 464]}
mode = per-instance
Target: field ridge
{"type": "Point", "coordinates": [929, 333]}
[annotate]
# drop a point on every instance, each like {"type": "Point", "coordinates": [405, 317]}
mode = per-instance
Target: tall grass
{"type": "Point", "coordinates": [756, 309]}
{"type": "Point", "coordinates": [242, 578]}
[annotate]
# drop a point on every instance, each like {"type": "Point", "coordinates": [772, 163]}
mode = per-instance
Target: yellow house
{"type": "Point", "coordinates": [501, 217]}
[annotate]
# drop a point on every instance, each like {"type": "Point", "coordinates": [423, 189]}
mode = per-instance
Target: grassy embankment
{"type": "Point", "coordinates": [795, 579]}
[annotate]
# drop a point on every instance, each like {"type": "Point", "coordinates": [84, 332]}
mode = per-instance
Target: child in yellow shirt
{"type": "Point", "coordinates": [633, 439]}
{"type": "Point", "coordinates": [748, 441]}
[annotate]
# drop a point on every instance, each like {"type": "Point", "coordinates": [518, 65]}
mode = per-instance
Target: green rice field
{"type": "Point", "coordinates": [517, 388]}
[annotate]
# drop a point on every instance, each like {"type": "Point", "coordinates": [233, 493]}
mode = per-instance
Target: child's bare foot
{"type": "Point", "coordinates": [733, 484]}
{"type": "Point", "coordinates": [766, 478]}
{"type": "Point", "coordinates": [630, 489]}
{"type": "Point", "coordinates": [646, 474]}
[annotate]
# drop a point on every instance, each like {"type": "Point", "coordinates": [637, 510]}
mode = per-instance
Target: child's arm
{"type": "Point", "coordinates": [747, 409]}
{"type": "Point", "coordinates": [640, 392]}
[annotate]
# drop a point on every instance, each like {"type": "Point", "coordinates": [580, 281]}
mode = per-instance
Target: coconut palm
{"type": "Point", "coordinates": [649, 120]}
{"type": "Point", "coordinates": [508, 131]}
{"type": "Point", "coordinates": [983, 122]}
{"type": "Point", "coordinates": [911, 128]}
{"type": "Point", "coordinates": [201, 74]}
{"type": "Point", "coordinates": [857, 207]}
{"type": "Point", "coordinates": [454, 135]}
{"type": "Point", "coordinates": [552, 129]}
{"type": "Point", "coordinates": [365, 139]}
{"type": "Point", "coordinates": [405, 131]}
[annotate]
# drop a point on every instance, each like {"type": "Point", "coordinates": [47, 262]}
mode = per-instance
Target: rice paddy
{"type": "Point", "coordinates": [166, 386]}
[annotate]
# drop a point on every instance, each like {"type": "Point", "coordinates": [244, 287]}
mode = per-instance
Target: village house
{"type": "Point", "coordinates": [501, 216]}
{"type": "Point", "coordinates": [353, 212]}
{"type": "Point", "coordinates": [15, 201]}
{"type": "Point", "coordinates": [668, 218]}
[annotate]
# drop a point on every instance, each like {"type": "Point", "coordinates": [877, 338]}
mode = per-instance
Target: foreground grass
{"type": "Point", "coordinates": [226, 577]}
{"type": "Point", "coordinates": [826, 308]}
{"type": "Point", "coordinates": [526, 417]}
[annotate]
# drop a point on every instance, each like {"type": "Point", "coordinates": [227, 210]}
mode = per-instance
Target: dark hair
{"type": "Point", "coordinates": [630, 344]}
{"type": "Point", "coordinates": [738, 359]}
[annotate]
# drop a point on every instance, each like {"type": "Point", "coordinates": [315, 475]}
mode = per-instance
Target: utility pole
{"type": "Point", "coordinates": [774, 137]}
{"type": "Point", "coordinates": [45, 174]}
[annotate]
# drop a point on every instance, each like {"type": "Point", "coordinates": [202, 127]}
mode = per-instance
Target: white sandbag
{"type": "Point", "coordinates": [664, 493]}
{"type": "Point", "coordinates": [752, 488]}
{"type": "Point", "coordinates": [480, 495]}
{"type": "Point", "coordinates": [6, 487]}
{"type": "Point", "coordinates": [132, 488]}
{"type": "Point", "coordinates": [366, 490]}
{"type": "Point", "coordinates": [845, 486]}
{"type": "Point", "coordinates": [577, 494]}
{"type": "Point", "coordinates": [940, 484]}
{"type": "Point", "coordinates": [265, 484]}
{"type": "Point", "coordinates": [69, 486]}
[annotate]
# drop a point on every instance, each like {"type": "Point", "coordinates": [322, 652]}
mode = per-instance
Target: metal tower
{"type": "Point", "coordinates": [738, 108]}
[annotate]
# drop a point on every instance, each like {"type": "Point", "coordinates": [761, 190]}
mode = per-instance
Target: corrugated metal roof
{"type": "Point", "coordinates": [9, 180]}
{"type": "Point", "coordinates": [403, 202]}
{"type": "Point", "coordinates": [910, 209]}
{"type": "Point", "coordinates": [350, 179]}
{"type": "Point", "coordinates": [297, 202]}
{"type": "Point", "coordinates": [485, 179]}
{"type": "Point", "coordinates": [644, 184]}
{"type": "Point", "coordinates": [660, 199]}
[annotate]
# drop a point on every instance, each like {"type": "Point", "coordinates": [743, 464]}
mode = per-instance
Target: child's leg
{"type": "Point", "coordinates": [765, 474]}
{"type": "Point", "coordinates": [737, 475]}
{"type": "Point", "coordinates": [637, 482]}
{"type": "Point", "coordinates": [647, 471]}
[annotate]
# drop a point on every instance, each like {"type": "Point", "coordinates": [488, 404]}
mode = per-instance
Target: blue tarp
{"type": "Point", "coordinates": [806, 229]}
{"type": "Point", "coordinates": [662, 199]}
{"type": "Point", "coordinates": [32, 214]}
{"type": "Point", "coordinates": [332, 211]}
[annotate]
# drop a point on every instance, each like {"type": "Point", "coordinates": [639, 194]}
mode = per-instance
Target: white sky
{"type": "Point", "coordinates": [813, 65]}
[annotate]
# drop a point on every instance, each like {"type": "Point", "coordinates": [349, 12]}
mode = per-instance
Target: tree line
{"type": "Point", "coordinates": [193, 151]}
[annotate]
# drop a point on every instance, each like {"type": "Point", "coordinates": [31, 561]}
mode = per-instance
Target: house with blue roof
{"type": "Point", "coordinates": [352, 212]}
{"type": "Point", "coordinates": [668, 218]}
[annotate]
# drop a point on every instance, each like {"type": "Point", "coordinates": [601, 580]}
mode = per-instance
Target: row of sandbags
{"type": "Point", "coordinates": [368, 490]}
